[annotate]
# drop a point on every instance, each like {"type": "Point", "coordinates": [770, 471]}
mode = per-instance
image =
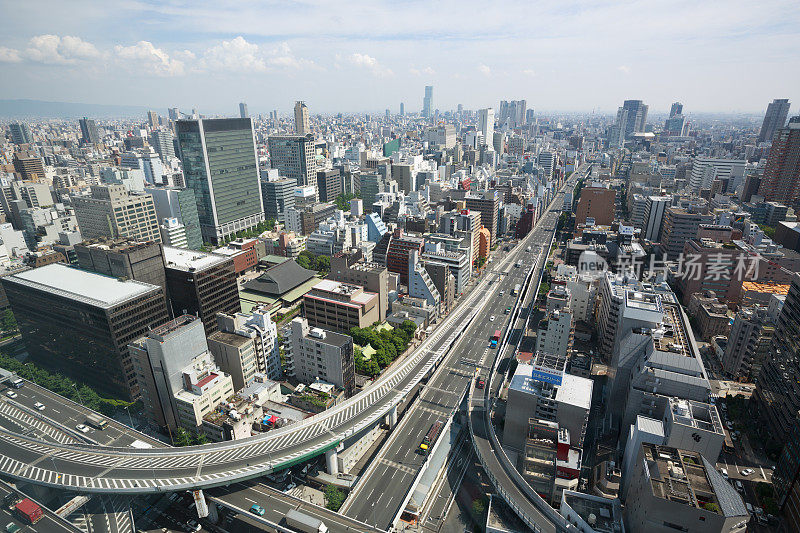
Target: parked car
{"type": "Point", "coordinates": [724, 473]}
{"type": "Point", "coordinates": [747, 471]}
{"type": "Point", "coordinates": [191, 525]}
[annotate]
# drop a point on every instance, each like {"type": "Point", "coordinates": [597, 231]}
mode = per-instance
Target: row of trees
{"type": "Point", "coordinates": [64, 386]}
{"type": "Point", "coordinates": [343, 201]}
{"type": "Point", "coordinates": [253, 232]}
{"type": "Point", "coordinates": [320, 263]}
{"type": "Point", "coordinates": [184, 437]}
{"type": "Point", "coordinates": [387, 343]}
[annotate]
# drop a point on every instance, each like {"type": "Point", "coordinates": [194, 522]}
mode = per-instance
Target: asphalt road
{"type": "Point", "coordinates": [380, 495]}
{"type": "Point", "coordinates": [541, 237]}
{"type": "Point", "coordinates": [127, 470]}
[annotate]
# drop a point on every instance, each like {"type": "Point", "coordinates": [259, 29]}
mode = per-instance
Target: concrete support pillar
{"type": "Point", "coordinates": [200, 503]}
{"type": "Point", "coordinates": [391, 418]}
{"type": "Point", "coordinates": [332, 462]}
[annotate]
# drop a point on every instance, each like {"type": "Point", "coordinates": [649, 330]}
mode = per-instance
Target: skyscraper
{"type": "Point", "coordinates": [781, 181]}
{"type": "Point", "coordinates": [293, 156]}
{"type": "Point", "coordinates": [514, 112]}
{"type": "Point", "coordinates": [243, 110]}
{"type": "Point", "coordinates": [301, 124]}
{"type": "Point", "coordinates": [777, 111]}
{"type": "Point", "coordinates": [676, 109]}
{"type": "Point", "coordinates": [152, 119]}
{"type": "Point", "coordinates": [633, 116]}
{"type": "Point", "coordinates": [427, 102]}
{"type": "Point", "coordinates": [174, 114]}
{"type": "Point", "coordinates": [20, 133]}
{"type": "Point", "coordinates": [220, 165]}
{"type": "Point", "coordinates": [89, 132]}
{"type": "Point", "coordinates": [402, 109]}
{"type": "Point", "coordinates": [486, 125]}
{"type": "Point", "coordinates": [162, 142]}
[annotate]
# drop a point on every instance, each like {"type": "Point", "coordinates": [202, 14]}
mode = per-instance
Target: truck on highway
{"type": "Point", "coordinates": [516, 290]}
{"type": "Point", "coordinates": [305, 523]}
{"type": "Point", "coordinates": [430, 437]}
{"type": "Point", "coordinates": [28, 511]}
{"type": "Point", "coordinates": [96, 421]}
{"type": "Point", "coordinates": [495, 338]}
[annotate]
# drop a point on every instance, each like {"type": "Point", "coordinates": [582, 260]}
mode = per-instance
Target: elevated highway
{"type": "Point", "coordinates": [505, 478]}
{"type": "Point", "coordinates": [91, 468]}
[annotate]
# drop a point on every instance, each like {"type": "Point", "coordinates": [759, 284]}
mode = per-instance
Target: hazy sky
{"type": "Point", "coordinates": [367, 55]}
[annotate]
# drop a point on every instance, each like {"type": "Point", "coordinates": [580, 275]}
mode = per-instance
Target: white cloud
{"type": "Point", "coordinates": [428, 71]}
{"type": "Point", "coordinates": [146, 57]}
{"type": "Point", "coordinates": [9, 55]}
{"type": "Point", "coordinates": [282, 57]}
{"type": "Point", "coordinates": [485, 70]}
{"type": "Point", "coordinates": [529, 72]}
{"type": "Point", "coordinates": [236, 55]}
{"type": "Point", "coordinates": [54, 49]}
{"type": "Point", "coordinates": [624, 69]}
{"type": "Point", "coordinates": [371, 64]}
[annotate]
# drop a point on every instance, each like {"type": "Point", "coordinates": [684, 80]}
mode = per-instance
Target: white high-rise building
{"type": "Point", "coordinates": [706, 169]}
{"type": "Point", "coordinates": [486, 125]}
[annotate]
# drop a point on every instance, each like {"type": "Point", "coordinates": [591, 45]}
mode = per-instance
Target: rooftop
{"type": "Point", "coordinates": [686, 477]}
{"type": "Point", "coordinates": [607, 514]}
{"type": "Point", "coordinates": [81, 285]}
{"type": "Point", "coordinates": [280, 279]}
{"type": "Point", "coordinates": [183, 259]}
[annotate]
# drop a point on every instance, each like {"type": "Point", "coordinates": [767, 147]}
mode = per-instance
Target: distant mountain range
{"type": "Point", "coordinates": [29, 109]}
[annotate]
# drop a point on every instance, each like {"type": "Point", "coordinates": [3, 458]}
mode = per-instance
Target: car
{"type": "Point", "coordinates": [12, 394]}
{"type": "Point", "coordinates": [491, 318]}
{"type": "Point", "coordinates": [729, 425]}
{"type": "Point", "coordinates": [11, 527]}
{"type": "Point", "coordinates": [502, 293]}
{"type": "Point", "coordinates": [481, 383]}
{"type": "Point", "coordinates": [747, 471]}
{"type": "Point", "coordinates": [39, 406]}
{"type": "Point", "coordinates": [83, 428]}
{"type": "Point", "coordinates": [289, 487]}
{"type": "Point", "coordinates": [724, 473]}
{"type": "Point", "coordinates": [257, 510]}
{"type": "Point", "coordinates": [192, 525]}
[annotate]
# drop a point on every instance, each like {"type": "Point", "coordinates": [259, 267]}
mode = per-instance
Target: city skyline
{"type": "Point", "coordinates": [712, 58]}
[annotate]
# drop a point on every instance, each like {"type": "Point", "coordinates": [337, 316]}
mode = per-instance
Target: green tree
{"type": "Point", "coordinates": [304, 262]}
{"type": "Point", "coordinates": [9, 322]}
{"type": "Point", "coordinates": [478, 507]}
{"type": "Point", "coordinates": [334, 497]}
{"type": "Point", "coordinates": [200, 438]}
{"type": "Point", "coordinates": [181, 438]}
{"type": "Point", "coordinates": [322, 264]}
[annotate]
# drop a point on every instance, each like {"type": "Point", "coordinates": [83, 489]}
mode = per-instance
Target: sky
{"type": "Point", "coordinates": [369, 55]}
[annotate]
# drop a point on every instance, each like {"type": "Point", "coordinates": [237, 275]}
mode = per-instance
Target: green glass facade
{"type": "Point", "coordinates": [220, 166]}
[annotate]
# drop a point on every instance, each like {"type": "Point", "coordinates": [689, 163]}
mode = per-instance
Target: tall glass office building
{"type": "Point", "coordinates": [220, 165]}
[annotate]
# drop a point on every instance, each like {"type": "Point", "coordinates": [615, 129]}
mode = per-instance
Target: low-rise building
{"type": "Point", "coordinates": [675, 490]}
{"type": "Point", "coordinates": [319, 354]}
{"type": "Point", "coordinates": [337, 306]}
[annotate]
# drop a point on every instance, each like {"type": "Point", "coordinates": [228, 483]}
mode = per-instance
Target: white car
{"type": "Point", "coordinates": [11, 394]}
{"type": "Point", "coordinates": [491, 318]}
{"type": "Point", "coordinates": [191, 525]}
{"type": "Point", "coordinates": [724, 473]}
{"type": "Point", "coordinates": [39, 406]}
{"type": "Point", "coordinates": [747, 471]}
{"type": "Point", "coordinates": [82, 428]}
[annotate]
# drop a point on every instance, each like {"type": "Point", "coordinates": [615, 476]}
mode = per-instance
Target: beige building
{"type": "Point", "coordinates": [113, 211]}
{"type": "Point", "coordinates": [337, 306]}
{"type": "Point", "coordinates": [205, 387]}
{"type": "Point", "coordinates": [236, 355]}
